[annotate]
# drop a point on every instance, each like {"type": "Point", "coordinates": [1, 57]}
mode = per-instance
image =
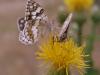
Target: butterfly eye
{"type": "Point", "coordinates": [42, 10]}
{"type": "Point", "coordinates": [21, 24]}
{"type": "Point", "coordinates": [39, 13]}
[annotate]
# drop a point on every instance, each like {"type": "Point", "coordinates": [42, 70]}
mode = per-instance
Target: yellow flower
{"type": "Point", "coordinates": [78, 5]}
{"type": "Point", "coordinates": [62, 55]}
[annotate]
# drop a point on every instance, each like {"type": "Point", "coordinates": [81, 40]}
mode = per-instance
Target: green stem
{"type": "Point", "coordinates": [55, 72]}
{"type": "Point", "coordinates": [79, 35]}
{"type": "Point", "coordinates": [89, 49]}
{"type": "Point", "coordinates": [91, 39]}
{"type": "Point", "coordinates": [68, 72]}
{"type": "Point", "coordinates": [80, 20]}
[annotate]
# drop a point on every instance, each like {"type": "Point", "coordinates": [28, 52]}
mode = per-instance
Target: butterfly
{"type": "Point", "coordinates": [29, 24]}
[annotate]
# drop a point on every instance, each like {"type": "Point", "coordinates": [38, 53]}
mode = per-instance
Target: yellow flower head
{"type": "Point", "coordinates": [62, 55]}
{"type": "Point", "coordinates": [78, 5]}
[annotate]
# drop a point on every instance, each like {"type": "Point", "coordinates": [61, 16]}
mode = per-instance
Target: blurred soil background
{"type": "Point", "coordinates": [16, 58]}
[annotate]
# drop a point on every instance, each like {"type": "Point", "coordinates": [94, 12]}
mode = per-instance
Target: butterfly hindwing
{"type": "Point", "coordinates": [22, 34]}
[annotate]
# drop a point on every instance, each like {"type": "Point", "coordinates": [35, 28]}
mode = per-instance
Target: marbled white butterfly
{"type": "Point", "coordinates": [28, 25]}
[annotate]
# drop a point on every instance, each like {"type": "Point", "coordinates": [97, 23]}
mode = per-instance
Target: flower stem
{"type": "Point", "coordinates": [67, 72]}
{"type": "Point", "coordinates": [60, 72]}
{"type": "Point", "coordinates": [80, 19]}
{"type": "Point", "coordinates": [79, 35]}
{"type": "Point", "coordinates": [89, 50]}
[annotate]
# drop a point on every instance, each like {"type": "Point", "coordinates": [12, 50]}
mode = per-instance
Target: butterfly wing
{"type": "Point", "coordinates": [21, 28]}
{"type": "Point", "coordinates": [21, 24]}
{"type": "Point", "coordinates": [34, 11]}
{"type": "Point", "coordinates": [28, 26]}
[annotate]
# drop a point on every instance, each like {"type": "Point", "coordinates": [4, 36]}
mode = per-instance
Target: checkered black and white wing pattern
{"type": "Point", "coordinates": [28, 26]}
{"type": "Point", "coordinates": [21, 24]}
